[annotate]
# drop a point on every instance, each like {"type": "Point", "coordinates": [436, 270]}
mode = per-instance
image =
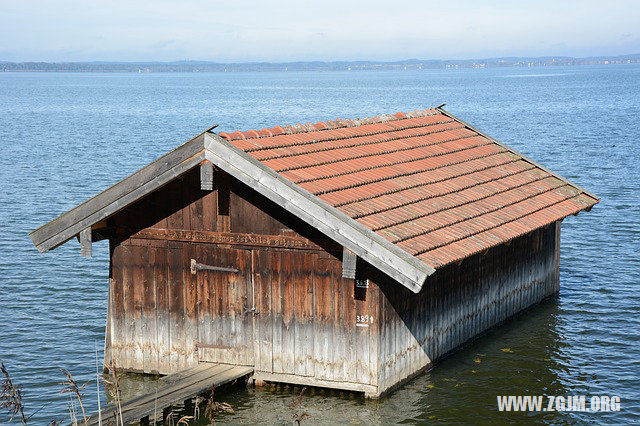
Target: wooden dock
{"type": "Point", "coordinates": [175, 388]}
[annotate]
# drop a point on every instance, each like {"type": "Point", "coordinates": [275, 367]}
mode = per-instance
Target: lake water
{"type": "Point", "coordinates": [64, 137]}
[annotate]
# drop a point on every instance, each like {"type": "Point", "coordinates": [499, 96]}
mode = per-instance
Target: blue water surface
{"type": "Point", "coordinates": [64, 137]}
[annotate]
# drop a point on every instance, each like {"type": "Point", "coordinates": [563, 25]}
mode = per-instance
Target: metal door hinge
{"type": "Point", "coordinates": [195, 267]}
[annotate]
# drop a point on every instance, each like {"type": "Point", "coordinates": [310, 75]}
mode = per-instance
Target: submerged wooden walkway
{"type": "Point", "coordinates": [174, 388]}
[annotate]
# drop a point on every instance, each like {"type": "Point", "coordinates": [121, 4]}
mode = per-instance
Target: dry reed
{"type": "Point", "coordinates": [296, 408]}
{"type": "Point", "coordinates": [71, 386]}
{"type": "Point", "coordinates": [112, 382]}
{"type": "Point", "coordinates": [11, 396]}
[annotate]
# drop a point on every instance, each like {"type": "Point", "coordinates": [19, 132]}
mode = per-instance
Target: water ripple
{"type": "Point", "coordinates": [64, 137]}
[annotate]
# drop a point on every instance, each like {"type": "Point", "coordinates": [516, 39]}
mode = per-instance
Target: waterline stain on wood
{"type": "Point", "coordinates": [289, 312]}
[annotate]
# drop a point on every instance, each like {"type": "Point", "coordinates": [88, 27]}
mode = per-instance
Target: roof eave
{"type": "Point", "coordinates": [379, 252]}
{"type": "Point", "coordinates": [120, 195]}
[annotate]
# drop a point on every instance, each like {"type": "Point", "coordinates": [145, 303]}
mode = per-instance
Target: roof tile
{"type": "Point", "coordinates": [420, 179]}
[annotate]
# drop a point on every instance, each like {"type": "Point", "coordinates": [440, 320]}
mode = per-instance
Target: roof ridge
{"type": "Point", "coordinates": [325, 125]}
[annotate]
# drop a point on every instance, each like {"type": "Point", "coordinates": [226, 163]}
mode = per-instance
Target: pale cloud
{"type": "Point", "coordinates": [289, 30]}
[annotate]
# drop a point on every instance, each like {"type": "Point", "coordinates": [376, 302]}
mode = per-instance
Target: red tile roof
{"type": "Point", "coordinates": [426, 181]}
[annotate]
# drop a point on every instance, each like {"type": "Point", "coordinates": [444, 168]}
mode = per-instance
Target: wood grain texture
{"type": "Point", "coordinates": [348, 263]}
{"type": "Point", "coordinates": [85, 242]}
{"type": "Point", "coordinates": [206, 176]}
{"type": "Point", "coordinates": [302, 320]}
{"type": "Point", "coordinates": [263, 277]}
{"type": "Point", "coordinates": [224, 333]}
{"type": "Point", "coordinates": [340, 322]}
{"type": "Point", "coordinates": [460, 302]}
{"type": "Point", "coordinates": [117, 321]}
{"type": "Point", "coordinates": [288, 320]}
{"type": "Point", "coordinates": [177, 339]}
{"type": "Point", "coordinates": [149, 338]}
{"type": "Point", "coordinates": [277, 306]}
{"type": "Point", "coordinates": [131, 315]}
{"type": "Point", "coordinates": [190, 284]}
{"type": "Point", "coordinates": [322, 319]}
{"type": "Point", "coordinates": [349, 329]}
{"type": "Point", "coordinates": [310, 325]}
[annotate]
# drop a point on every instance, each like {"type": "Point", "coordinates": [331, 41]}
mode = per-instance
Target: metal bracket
{"type": "Point", "coordinates": [195, 267]}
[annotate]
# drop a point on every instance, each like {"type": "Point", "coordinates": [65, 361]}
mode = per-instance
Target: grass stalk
{"type": "Point", "coordinates": [98, 386]}
{"type": "Point", "coordinates": [71, 386]}
{"type": "Point", "coordinates": [11, 396]}
{"type": "Point", "coordinates": [111, 378]}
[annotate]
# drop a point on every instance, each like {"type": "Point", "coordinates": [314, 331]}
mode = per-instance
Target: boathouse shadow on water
{"type": "Point", "coordinates": [501, 362]}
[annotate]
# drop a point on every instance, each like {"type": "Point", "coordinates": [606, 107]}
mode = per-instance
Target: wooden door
{"type": "Point", "coordinates": [224, 302]}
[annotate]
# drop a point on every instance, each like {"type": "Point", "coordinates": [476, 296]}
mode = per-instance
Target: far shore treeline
{"type": "Point", "coordinates": [409, 64]}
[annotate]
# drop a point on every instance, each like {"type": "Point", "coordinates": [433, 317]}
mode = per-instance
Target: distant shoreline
{"type": "Point", "coordinates": [409, 64]}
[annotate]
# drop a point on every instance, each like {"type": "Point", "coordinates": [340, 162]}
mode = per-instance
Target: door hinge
{"type": "Point", "coordinates": [195, 267]}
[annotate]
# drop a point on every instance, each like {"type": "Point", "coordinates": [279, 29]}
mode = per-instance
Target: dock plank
{"type": "Point", "coordinates": [174, 388]}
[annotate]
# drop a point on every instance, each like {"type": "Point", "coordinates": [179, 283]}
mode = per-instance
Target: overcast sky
{"type": "Point", "coordinates": [239, 30]}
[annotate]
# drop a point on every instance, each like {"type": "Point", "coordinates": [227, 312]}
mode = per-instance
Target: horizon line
{"type": "Point", "coordinates": [354, 61]}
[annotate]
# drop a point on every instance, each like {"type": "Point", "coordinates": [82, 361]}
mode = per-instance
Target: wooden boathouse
{"type": "Point", "coordinates": [347, 254]}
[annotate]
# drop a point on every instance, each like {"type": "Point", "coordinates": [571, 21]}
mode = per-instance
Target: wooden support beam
{"type": "Point", "coordinates": [206, 176]}
{"type": "Point", "coordinates": [348, 264]}
{"type": "Point", "coordinates": [85, 242]}
{"type": "Point", "coordinates": [235, 238]}
{"type": "Point", "coordinates": [188, 405]}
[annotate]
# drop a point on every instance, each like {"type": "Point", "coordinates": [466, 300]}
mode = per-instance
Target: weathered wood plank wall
{"type": "Point", "coordinates": [307, 329]}
{"type": "Point", "coordinates": [288, 310]}
{"type": "Point", "coordinates": [459, 302]}
{"type": "Point", "coordinates": [164, 319]}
